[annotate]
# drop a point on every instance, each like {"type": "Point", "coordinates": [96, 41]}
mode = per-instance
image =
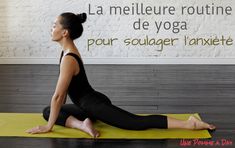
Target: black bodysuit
{"type": "Point", "coordinates": [89, 103]}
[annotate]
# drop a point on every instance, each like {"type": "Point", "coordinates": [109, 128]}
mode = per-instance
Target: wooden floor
{"type": "Point", "coordinates": [205, 89]}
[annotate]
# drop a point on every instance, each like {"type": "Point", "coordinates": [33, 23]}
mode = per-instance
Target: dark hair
{"type": "Point", "coordinates": [73, 22]}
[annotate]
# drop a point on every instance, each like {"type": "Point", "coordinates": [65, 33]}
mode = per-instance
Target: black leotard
{"type": "Point", "coordinates": [79, 86]}
{"type": "Point", "coordinates": [89, 103]}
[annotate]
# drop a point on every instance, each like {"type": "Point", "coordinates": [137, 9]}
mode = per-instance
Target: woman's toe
{"type": "Point", "coordinates": [212, 127]}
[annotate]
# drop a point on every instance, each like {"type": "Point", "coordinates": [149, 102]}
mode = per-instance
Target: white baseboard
{"type": "Point", "coordinates": [135, 60]}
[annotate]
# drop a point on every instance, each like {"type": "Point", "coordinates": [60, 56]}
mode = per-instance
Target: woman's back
{"type": "Point", "coordinates": [79, 85]}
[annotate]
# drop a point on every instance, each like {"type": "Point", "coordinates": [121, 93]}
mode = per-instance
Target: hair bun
{"type": "Point", "coordinates": [82, 17]}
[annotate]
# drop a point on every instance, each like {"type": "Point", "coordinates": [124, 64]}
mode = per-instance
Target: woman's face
{"type": "Point", "coordinates": [57, 30]}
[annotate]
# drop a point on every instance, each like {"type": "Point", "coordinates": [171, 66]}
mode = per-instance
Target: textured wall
{"type": "Point", "coordinates": [25, 29]}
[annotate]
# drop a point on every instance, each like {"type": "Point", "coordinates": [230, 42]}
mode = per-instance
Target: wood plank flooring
{"type": "Point", "coordinates": [205, 89]}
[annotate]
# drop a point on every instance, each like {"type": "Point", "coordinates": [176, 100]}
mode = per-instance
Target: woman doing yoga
{"type": "Point", "coordinates": [88, 104]}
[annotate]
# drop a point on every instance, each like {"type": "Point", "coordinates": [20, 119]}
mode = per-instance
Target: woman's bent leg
{"type": "Point", "coordinates": [73, 117]}
{"type": "Point", "coordinates": [66, 111]}
{"type": "Point", "coordinates": [85, 125]}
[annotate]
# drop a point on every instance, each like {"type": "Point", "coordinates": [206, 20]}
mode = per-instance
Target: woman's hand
{"type": "Point", "coordinates": [39, 129]}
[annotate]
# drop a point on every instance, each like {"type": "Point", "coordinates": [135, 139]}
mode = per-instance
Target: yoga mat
{"type": "Point", "coordinates": [15, 125]}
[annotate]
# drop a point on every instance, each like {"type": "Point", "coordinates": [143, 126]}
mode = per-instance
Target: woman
{"type": "Point", "coordinates": [90, 105]}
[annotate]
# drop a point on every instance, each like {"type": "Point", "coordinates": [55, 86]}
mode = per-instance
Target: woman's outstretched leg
{"type": "Point", "coordinates": [115, 116]}
{"type": "Point", "coordinates": [118, 117]}
{"type": "Point", "coordinates": [192, 123]}
{"type": "Point", "coordinates": [72, 116]}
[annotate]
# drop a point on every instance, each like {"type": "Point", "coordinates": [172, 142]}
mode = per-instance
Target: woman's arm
{"type": "Point", "coordinates": [67, 70]}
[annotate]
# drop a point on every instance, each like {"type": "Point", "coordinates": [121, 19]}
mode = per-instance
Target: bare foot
{"type": "Point", "coordinates": [88, 128]}
{"type": "Point", "coordinates": [196, 124]}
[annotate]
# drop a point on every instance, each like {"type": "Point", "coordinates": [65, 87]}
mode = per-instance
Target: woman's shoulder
{"type": "Point", "coordinates": [76, 55]}
{"type": "Point", "coordinates": [72, 59]}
